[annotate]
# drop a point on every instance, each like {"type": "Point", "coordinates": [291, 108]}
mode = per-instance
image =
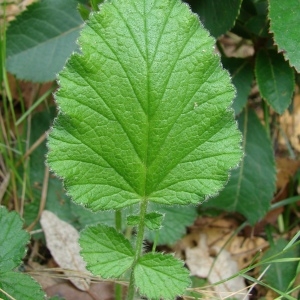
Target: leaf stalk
{"type": "Point", "coordinates": [138, 247]}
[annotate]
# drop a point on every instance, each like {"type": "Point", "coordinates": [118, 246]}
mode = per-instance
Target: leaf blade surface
{"type": "Point", "coordinates": [106, 252]}
{"type": "Point", "coordinates": [251, 186]}
{"type": "Point", "coordinates": [275, 79]}
{"type": "Point", "coordinates": [40, 40]}
{"type": "Point", "coordinates": [284, 23]}
{"type": "Point", "coordinates": [26, 288]}
{"type": "Point", "coordinates": [217, 16]}
{"type": "Point", "coordinates": [12, 240]}
{"type": "Point", "coordinates": [144, 110]}
{"type": "Point", "coordinates": [161, 276]}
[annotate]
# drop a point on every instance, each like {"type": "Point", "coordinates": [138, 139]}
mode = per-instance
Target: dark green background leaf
{"type": "Point", "coordinates": [217, 16]}
{"type": "Point", "coordinates": [40, 40]}
{"type": "Point", "coordinates": [250, 188]}
{"type": "Point", "coordinates": [285, 23]}
{"type": "Point", "coordinates": [258, 25]}
{"type": "Point", "coordinates": [275, 79]}
{"type": "Point", "coordinates": [280, 274]}
{"type": "Point", "coordinates": [242, 76]}
{"type": "Point", "coordinates": [252, 21]}
{"type": "Point", "coordinates": [143, 110]}
{"type": "Point", "coordinates": [13, 240]}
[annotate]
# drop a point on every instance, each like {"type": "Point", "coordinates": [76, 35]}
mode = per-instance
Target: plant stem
{"type": "Point", "coordinates": [138, 247]}
{"type": "Point", "coordinates": [118, 223]}
{"type": "Point", "coordinates": [155, 241]}
{"type": "Point", "coordinates": [118, 220]}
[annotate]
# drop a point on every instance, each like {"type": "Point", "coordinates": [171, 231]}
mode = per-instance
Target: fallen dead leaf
{"type": "Point", "coordinates": [242, 249]}
{"type": "Point", "coordinates": [286, 169]}
{"type": "Point", "coordinates": [290, 124]}
{"type": "Point", "coordinates": [220, 240]}
{"type": "Point", "coordinates": [62, 241]}
{"type": "Point", "coordinates": [98, 291]}
{"type": "Point", "coordinates": [201, 263]}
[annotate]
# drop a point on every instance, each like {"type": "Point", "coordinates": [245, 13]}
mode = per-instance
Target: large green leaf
{"type": "Point", "coordinates": [160, 276]}
{"type": "Point", "coordinates": [217, 16]}
{"type": "Point", "coordinates": [12, 240]}
{"type": "Point", "coordinates": [144, 110]}
{"type": "Point", "coordinates": [275, 79]}
{"type": "Point", "coordinates": [285, 23]}
{"type": "Point", "coordinates": [251, 186]}
{"type": "Point", "coordinates": [41, 38]}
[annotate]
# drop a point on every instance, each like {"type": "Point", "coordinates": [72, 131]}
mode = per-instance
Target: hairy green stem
{"type": "Point", "coordinates": [138, 247]}
{"type": "Point", "coordinates": [118, 223]}
{"type": "Point", "coordinates": [118, 220]}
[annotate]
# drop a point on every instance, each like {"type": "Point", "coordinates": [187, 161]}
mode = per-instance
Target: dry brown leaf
{"type": "Point", "coordinates": [290, 124]}
{"type": "Point", "coordinates": [242, 249]}
{"type": "Point", "coordinates": [200, 262]}
{"type": "Point", "coordinates": [62, 241]}
{"type": "Point", "coordinates": [98, 291]}
{"type": "Point", "coordinates": [219, 236]}
{"type": "Point", "coordinates": [286, 169]}
{"type": "Point", "coordinates": [38, 272]}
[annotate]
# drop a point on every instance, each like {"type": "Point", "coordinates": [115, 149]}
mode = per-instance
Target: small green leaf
{"type": "Point", "coordinates": [280, 274]}
{"type": "Point", "coordinates": [20, 286]}
{"type": "Point", "coordinates": [275, 79]}
{"type": "Point", "coordinates": [106, 252]}
{"type": "Point", "coordinates": [12, 240]}
{"type": "Point", "coordinates": [153, 220]}
{"type": "Point", "coordinates": [161, 276]}
{"type": "Point", "coordinates": [258, 25]}
{"type": "Point", "coordinates": [40, 39]}
{"type": "Point", "coordinates": [251, 186]}
{"type": "Point", "coordinates": [285, 23]}
{"type": "Point", "coordinates": [242, 76]}
{"type": "Point", "coordinates": [176, 220]}
{"type": "Point", "coordinates": [217, 16]}
{"type": "Point", "coordinates": [133, 220]}
{"type": "Point", "coordinates": [144, 110]}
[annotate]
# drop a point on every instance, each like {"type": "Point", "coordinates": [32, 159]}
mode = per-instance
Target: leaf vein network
{"type": "Point", "coordinates": [104, 158]}
{"type": "Point", "coordinates": [117, 119]}
{"type": "Point", "coordinates": [122, 66]}
{"type": "Point", "coordinates": [178, 161]}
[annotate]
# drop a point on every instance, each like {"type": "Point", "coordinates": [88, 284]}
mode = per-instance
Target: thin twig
{"type": "Point", "coordinates": [43, 199]}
